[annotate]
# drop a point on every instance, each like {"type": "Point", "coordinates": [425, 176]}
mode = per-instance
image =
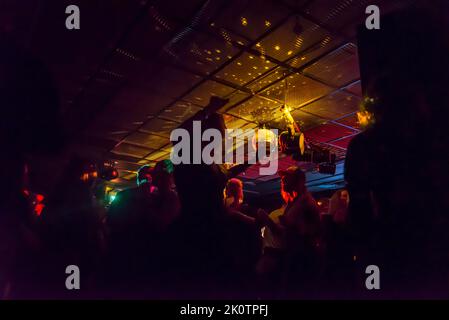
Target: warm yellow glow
{"type": "Point", "coordinates": [217, 51]}
{"type": "Point", "coordinates": [239, 63]}
{"type": "Point", "coordinates": [277, 47]}
{"type": "Point", "coordinates": [364, 118]}
{"type": "Point", "coordinates": [244, 21]}
{"type": "Point", "coordinates": [267, 23]}
{"type": "Point", "coordinates": [287, 114]}
{"type": "Point", "coordinates": [303, 58]}
{"type": "Point", "coordinates": [267, 67]}
{"type": "Point", "coordinates": [263, 135]}
{"type": "Point", "coordinates": [251, 57]}
{"type": "Point", "coordinates": [289, 52]}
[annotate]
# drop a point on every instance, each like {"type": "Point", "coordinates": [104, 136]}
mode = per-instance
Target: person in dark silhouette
{"type": "Point", "coordinates": [203, 244]}
{"type": "Point", "coordinates": [72, 230]}
{"type": "Point", "coordinates": [129, 229]}
{"type": "Point", "coordinates": [30, 124]}
{"type": "Point", "coordinates": [166, 204]}
{"type": "Point", "coordinates": [339, 258]}
{"type": "Point", "coordinates": [234, 194]}
{"type": "Point", "coordinates": [396, 170]}
{"type": "Point", "coordinates": [138, 219]}
{"type": "Point", "coordinates": [300, 230]}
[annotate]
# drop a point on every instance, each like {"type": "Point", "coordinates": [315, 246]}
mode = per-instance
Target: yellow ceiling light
{"type": "Point", "coordinates": [244, 21]}
{"type": "Point", "coordinates": [239, 63]}
{"type": "Point", "coordinates": [217, 50]}
{"type": "Point", "coordinates": [303, 58]}
{"type": "Point", "coordinates": [258, 45]}
{"type": "Point", "coordinates": [267, 23]}
{"type": "Point", "coordinates": [289, 52]}
{"type": "Point", "coordinates": [277, 47]}
{"type": "Point", "coordinates": [267, 67]}
{"type": "Point", "coordinates": [251, 57]}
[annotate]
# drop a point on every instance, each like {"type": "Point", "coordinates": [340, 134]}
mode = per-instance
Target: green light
{"type": "Point", "coordinates": [112, 197]}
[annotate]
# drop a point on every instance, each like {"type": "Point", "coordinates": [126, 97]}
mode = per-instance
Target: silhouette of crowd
{"type": "Point", "coordinates": [186, 231]}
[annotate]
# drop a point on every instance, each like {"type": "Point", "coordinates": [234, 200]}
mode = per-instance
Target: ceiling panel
{"type": "Point", "coordinates": [333, 106]}
{"type": "Point", "coordinates": [234, 98]}
{"type": "Point", "coordinates": [152, 31]}
{"type": "Point", "coordinates": [268, 78]}
{"type": "Point", "coordinates": [125, 165]}
{"type": "Point", "coordinates": [200, 52]}
{"type": "Point", "coordinates": [337, 68]}
{"type": "Point", "coordinates": [180, 111]}
{"type": "Point", "coordinates": [166, 80]}
{"type": "Point", "coordinates": [158, 155]}
{"type": "Point", "coordinates": [339, 13]}
{"type": "Point", "coordinates": [107, 130]}
{"type": "Point", "coordinates": [255, 109]}
{"type": "Point", "coordinates": [300, 90]}
{"type": "Point", "coordinates": [327, 44]}
{"type": "Point", "coordinates": [201, 95]}
{"type": "Point", "coordinates": [159, 126]}
{"type": "Point", "coordinates": [245, 68]}
{"type": "Point", "coordinates": [250, 18]}
{"type": "Point", "coordinates": [137, 102]}
{"type": "Point", "coordinates": [131, 150]}
{"type": "Point", "coordinates": [233, 122]}
{"type": "Point", "coordinates": [294, 36]}
{"type": "Point", "coordinates": [180, 10]}
{"type": "Point", "coordinates": [146, 140]}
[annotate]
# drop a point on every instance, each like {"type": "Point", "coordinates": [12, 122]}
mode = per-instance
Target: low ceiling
{"type": "Point", "coordinates": [137, 69]}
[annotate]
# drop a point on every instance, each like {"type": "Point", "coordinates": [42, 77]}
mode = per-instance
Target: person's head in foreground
{"type": "Point", "coordinates": [234, 192]}
{"type": "Point", "coordinates": [163, 175]}
{"type": "Point", "coordinates": [293, 183]}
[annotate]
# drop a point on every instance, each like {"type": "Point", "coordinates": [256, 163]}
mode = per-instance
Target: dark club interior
{"type": "Point", "coordinates": [123, 122]}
